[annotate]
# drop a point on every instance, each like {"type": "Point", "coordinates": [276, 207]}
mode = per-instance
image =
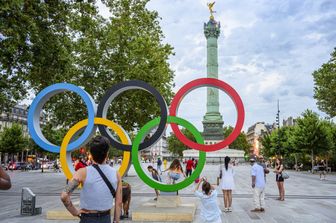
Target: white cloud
{"type": "Point", "coordinates": [267, 51]}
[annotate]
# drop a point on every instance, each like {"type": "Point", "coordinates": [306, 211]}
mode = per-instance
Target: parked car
{"type": "Point", "coordinates": [48, 165]}
{"type": "Point", "coordinates": [29, 166]}
{"type": "Point", "coordinates": [18, 166]}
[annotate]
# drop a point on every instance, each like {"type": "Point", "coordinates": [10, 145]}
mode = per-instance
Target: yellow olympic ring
{"type": "Point", "coordinates": [65, 157]}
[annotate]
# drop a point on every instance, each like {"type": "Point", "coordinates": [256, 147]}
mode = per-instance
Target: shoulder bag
{"type": "Point", "coordinates": [107, 182]}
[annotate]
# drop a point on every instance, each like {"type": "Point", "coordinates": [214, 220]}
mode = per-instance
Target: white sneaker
{"type": "Point", "coordinates": [226, 209]}
{"type": "Point", "coordinates": [230, 209]}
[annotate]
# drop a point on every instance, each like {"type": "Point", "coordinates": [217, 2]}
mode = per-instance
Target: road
{"type": "Point", "coordinates": [307, 198]}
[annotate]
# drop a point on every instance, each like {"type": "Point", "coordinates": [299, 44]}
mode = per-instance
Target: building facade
{"type": "Point", "coordinates": [253, 135]}
{"type": "Point", "coordinates": [18, 115]}
{"type": "Point", "coordinates": [290, 121]}
{"type": "Point", "coordinates": [159, 149]}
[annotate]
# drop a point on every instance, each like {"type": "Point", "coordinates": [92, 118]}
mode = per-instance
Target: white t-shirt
{"type": "Point", "coordinates": [210, 211]}
{"type": "Point", "coordinates": [258, 172]}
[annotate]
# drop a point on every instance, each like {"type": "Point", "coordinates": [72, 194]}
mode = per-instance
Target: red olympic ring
{"type": "Point", "coordinates": [211, 82]}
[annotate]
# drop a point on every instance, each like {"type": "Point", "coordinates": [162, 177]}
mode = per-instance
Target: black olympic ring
{"type": "Point", "coordinates": [116, 90]}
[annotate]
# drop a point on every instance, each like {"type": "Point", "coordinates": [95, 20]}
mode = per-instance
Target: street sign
{"type": "Point", "coordinates": [28, 202]}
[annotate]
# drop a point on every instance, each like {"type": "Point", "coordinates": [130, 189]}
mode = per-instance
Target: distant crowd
{"type": "Point", "coordinates": [101, 184]}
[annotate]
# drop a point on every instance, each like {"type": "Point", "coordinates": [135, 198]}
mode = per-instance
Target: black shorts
{"type": "Point", "coordinates": [279, 178]}
{"type": "Point", "coordinates": [188, 172]}
{"type": "Point", "coordinates": [126, 194]}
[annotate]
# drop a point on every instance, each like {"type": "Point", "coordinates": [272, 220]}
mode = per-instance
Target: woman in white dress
{"type": "Point", "coordinates": [227, 183]}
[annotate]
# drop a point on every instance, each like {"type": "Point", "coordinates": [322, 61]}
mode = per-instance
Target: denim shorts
{"type": "Point", "coordinates": [175, 176]}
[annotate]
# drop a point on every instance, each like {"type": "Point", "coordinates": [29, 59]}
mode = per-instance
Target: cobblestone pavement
{"type": "Point", "coordinates": [307, 198]}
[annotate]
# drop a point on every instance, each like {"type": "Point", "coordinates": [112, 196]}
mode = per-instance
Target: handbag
{"type": "Point", "coordinates": [219, 177]}
{"type": "Point", "coordinates": [284, 175]}
{"type": "Point", "coordinates": [107, 182]}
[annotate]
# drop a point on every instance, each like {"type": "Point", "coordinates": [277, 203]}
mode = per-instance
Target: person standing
{"type": "Point", "coordinates": [210, 212]}
{"type": "Point", "coordinates": [101, 183]}
{"type": "Point", "coordinates": [189, 167]}
{"type": "Point", "coordinates": [80, 164]}
{"type": "Point", "coordinates": [159, 164]}
{"type": "Point", "coordinates": [258, 186]}
{"type": "Point", "coordinates": [165, 164]}
{"type": "Point", "coordinates": [279, 179]}
{"type": "Point", "coordinates": [5, 182]}
{"type": "Point", "coordinates": [262, 163]}
{"type": "Point", "coordinates": [322, 169]}
{"type": "Point", "coordinates": [227, 183]}
{"type": "Point", "coordinates": [126, 199]}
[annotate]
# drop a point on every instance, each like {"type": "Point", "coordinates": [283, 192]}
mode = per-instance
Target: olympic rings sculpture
{"type": "Point", "coordinates": [97, 115]}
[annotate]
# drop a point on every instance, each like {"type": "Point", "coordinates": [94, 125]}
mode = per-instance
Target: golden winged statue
{"type": "Point", "coordinates": [210, 6]}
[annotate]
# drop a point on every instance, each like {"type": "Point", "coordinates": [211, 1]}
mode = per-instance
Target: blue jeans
{"type": "Point", "coordinates": [103, 219]}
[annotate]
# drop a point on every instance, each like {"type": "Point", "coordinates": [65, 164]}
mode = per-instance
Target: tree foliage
{"type": "Point", "coordinates": [12, 139]}
{"type": "Point", "coordinates": [311, 136]}
{"type": "Point", "coordinates": [278, 142]}
{"type": "Point", "coordinates": [325, 86]}
{"type": "Point", "coordinates": [240, 142]}
{"type": "Point", "coordinates": [43, 43]}
{"type": "Point", "coordinates": [175, 146]}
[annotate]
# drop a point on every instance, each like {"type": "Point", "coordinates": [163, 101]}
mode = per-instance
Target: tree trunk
{"type": "Point", "coordinates": [296, 164]}
{"type": "Point", "coordinates": [312, 160]}
{"type": "Point", "coordinates": [6, 158]}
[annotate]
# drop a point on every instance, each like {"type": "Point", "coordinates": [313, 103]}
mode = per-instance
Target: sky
{"type": "Point", "coordinates": [267, 51]}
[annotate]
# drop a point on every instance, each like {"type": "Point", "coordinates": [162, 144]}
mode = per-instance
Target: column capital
{"type": "Point", "coordinates": [212, 29]}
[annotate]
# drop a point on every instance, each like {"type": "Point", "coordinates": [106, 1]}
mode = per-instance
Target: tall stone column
{"type": "Point", "coordinates": [212, 121]}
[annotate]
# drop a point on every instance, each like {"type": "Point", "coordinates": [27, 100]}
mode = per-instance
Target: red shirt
{"type": "Point", "coordinates": [190, 165]}
{"type": "Point", "coordinates": [79, 166]}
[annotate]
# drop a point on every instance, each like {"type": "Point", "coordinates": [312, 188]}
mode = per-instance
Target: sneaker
{"type": "Point", "coordinates": [262, 209]}
{"type": "Point", "coordinates": [226, 210]}
{"type": "Point", "coordinates": [155, 199]}
{"type": "Point", "coordinates": [123, 216]}
{"type": "Point", "coordinates": [230, 209]}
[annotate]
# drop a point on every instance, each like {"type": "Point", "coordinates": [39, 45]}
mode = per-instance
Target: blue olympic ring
{"type": "Point", "coordinates": [36, 108]}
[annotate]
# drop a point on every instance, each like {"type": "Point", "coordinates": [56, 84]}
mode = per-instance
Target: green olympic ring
{"type": "Point", "coordinates": [148, 180]}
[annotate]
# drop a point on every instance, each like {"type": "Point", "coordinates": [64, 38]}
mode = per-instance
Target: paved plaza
{"type": "Point", "coordinates": [307, 198]}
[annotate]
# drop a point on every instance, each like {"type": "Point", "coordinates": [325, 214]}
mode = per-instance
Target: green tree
{"type": "Point", "coordinates": [311, 135]}
{"type": "Point", "coordinates": [175, 146]}
{"type": "Point", "coordinates": [279, 143]}
{"type": "Point", "coordinates": [240, 142]}
{"type": "Point", "coordinates": [325, 86]}
{"type": "Point", "coordinates": [33, 46]}
{"type": "Point", "coordinates": [134, 50]}
{"type": "Point", "coordinates": [65, 41]}
{"type": "Point", "coordinates": [330, 131]}
{"type": "Point", "coordinates": [268, 149]}
{"type": "Point", "coordinates": [12, 140]}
